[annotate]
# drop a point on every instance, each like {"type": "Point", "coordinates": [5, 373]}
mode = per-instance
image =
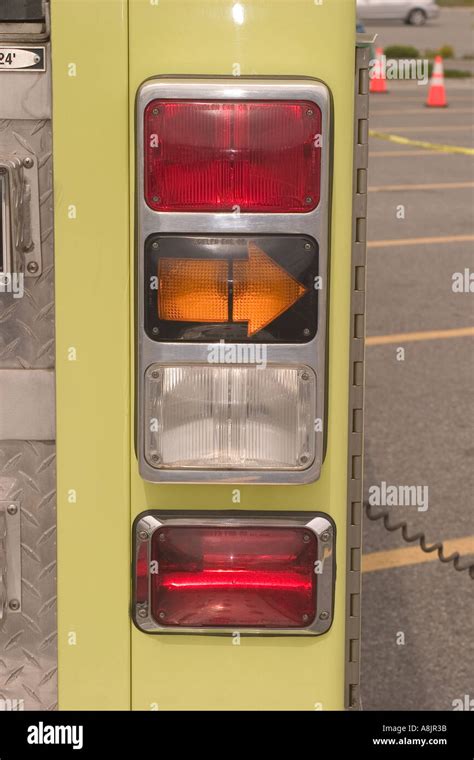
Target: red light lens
{"type": "Point", "coordinates": [234, 576]}
{"type": "Point", "coordinates": [254, 156]}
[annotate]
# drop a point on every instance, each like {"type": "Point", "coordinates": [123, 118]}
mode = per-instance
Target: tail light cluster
{"type": "Point", "coordinates": [232, 263]}
{"type": "Point", "coordinates": [233, 186]}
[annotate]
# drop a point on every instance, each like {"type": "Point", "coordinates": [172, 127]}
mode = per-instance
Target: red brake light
{"type": "Point", "coordinates": [234, 576]}
{"type": "Point", "coordinates": [254, 156]}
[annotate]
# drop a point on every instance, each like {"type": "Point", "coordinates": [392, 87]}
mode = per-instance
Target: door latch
{"type": "Point", "coordinates": [10, 558]}
{"type": "Point", "coordinates": [20, 231]}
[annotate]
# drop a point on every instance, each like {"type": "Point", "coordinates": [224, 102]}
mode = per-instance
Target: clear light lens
{"type": "Point", "coordinates": [230, 417]}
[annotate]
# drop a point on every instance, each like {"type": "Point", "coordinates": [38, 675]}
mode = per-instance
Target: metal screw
{"type": "Point", "coordinates": [156, 330]}
{"type": "Point", "coordinates": [142, 613]}
{"type": "Point", "coordinates": [305, 618]}
{"type": "Point", "coordinates": [12, 509]}
{"type": "Point", "coordinates": [156, 199]}
{"type": "Point", "coordinates": [155, 244]}
{"type": "Point", "coordinates": [155, 373]}
{"type": "Point", "coordinates": [143, 535]}
{"type": "Point", "coordinates": [309, 112]}
{"type": "Point", "coordinates": [308, 200]}
{"type": "Point", "coordinates": [162, 537]}
{"type": "Point", "coordinates": [155, 458]}
{"type": "Point", "coordinates": [161, 615]}
{"type": "Point", "coordinates": [306, 331]}
{"type": "Point", "coordinates": [14, 604]}
{"type": "Point", "coordinates": [307, 246]}
{"type": "Point", "coordinates": [303, 459]}
{"type": "Point", "coordinates": [156, 111]}
{"type": "Point", "coordinates": [28, 162]}
{"type": "Point", "coordinates": [37, 59]}
{"type": "Point", "coordinates": [32, 267]}
{"type": "Point", "coordinates": [325, 536]}
{"type": "Point", "coordinates": [304, 376]}
{"type": "Point", "coordinates": [324, 615]}
{"type": "Point", "coordinates": [306, 538]}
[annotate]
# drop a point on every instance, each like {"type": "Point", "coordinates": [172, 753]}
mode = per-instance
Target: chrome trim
{"type": "Point", "coordinates": [320, 524]}
{"type": "Point", "coordinates": [314, 223]}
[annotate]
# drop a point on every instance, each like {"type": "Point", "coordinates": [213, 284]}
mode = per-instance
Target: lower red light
{"type": "Point", "coordinates": [234, 576]}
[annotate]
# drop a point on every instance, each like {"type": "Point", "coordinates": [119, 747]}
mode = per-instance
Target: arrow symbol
{"type": "Point", "coordinates": [197, 290]}
{"type": "Point", "coordinates": [262, 290]}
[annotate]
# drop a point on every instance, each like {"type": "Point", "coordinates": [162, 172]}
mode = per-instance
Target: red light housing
{"type": "Point", "coordinates": [260, 577]}
{"type": "Point", "coordinates": [252, 156]}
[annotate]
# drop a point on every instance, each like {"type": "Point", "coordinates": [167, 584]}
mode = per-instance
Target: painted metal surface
{"type": "Point", "coordinates": [93, 151]}
{"type": "Point", "coordinates": [90, 86]}
{"type": "Point", "coordinates": [258, 38]}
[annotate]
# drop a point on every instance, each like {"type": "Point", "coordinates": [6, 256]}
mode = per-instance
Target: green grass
{"type": "Point", "coordinates": [401, 51]}
{"type": "Point", "coordinates": [456, 74]}
{"type": "Point", "coordinates": [453, 3]}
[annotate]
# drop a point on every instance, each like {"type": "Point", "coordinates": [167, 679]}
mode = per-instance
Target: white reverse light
{"type": "Point", "coordinates": [230, 417]}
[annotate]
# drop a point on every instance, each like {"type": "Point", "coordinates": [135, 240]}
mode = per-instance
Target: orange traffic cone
{"type": "Point", "coordinates": [378, 82]}
{"type": "Point", "coordinates": [437, 92]}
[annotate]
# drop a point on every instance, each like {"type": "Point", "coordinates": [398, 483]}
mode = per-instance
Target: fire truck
{"type": "Point", "coordinates": [182, 285]}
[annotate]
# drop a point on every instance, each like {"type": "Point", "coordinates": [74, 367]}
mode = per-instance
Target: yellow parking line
{"type": "Point", "coordinates": [439, 148]}
{"type": "Point", "coordinates": [426, 186]}
{"type": "Point", "coordinates": [410, 337]}
{"type": "Point", "coordinates": [421, 111]}
{"type": "Point", "coordinates": [390, 153]}
{"type": "Point", "coordinates": [435, 128]}
{"type": "Point", "coordinates": [413, 555]}
{"type": "Point", "coordinates": [416, 96]}
{"type": "Point", "coordinates": [419, 241]}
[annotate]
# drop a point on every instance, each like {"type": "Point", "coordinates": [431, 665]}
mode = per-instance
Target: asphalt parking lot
{"type": "Point", "coordinates": [417, 643]}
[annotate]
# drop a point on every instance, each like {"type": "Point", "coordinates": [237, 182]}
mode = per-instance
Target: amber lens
{"type": "Point", "coordinates": [193, 290]}
{"type": "Point", "coordinates": [236, 289]}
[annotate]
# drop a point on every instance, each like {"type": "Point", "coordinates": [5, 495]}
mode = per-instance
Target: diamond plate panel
{"type": "Point", "coordinates": [28, 639]}
{"type": "Point", "coordinates": [27, 323]}
{"type": "Point", "coordinates": [28, 659]}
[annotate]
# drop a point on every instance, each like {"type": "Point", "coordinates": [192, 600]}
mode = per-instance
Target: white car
{"type": "Point", "coordinates": [414, 12]}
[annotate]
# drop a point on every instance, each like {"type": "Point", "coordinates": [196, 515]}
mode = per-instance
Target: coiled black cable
{"type": "Point", "coordinates": [455, 558]}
